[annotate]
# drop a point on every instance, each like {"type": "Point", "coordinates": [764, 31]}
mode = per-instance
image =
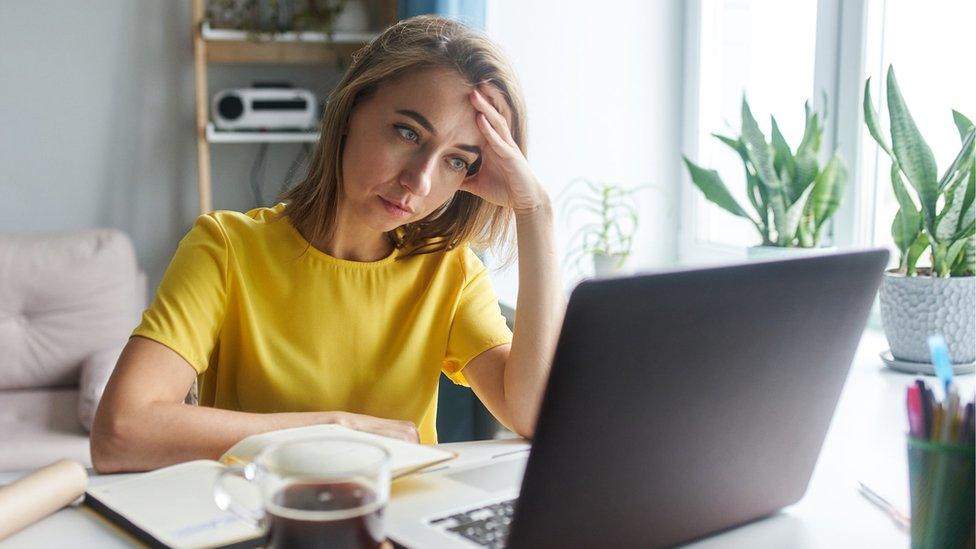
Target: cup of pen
{"type": "Point", "coordinates": [941, 483]}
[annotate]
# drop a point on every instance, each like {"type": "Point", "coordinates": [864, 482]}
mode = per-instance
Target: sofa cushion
{"type": "Point", "coordinates": [95, 371]}
{"type": "Point", "coordinates": [40, 426]}
{"type": "Point", "coordinates": [63, 297]}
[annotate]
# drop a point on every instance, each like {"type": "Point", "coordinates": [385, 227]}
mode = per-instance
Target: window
{"type": "Point", "coordinates": [743, 47]}
{"type": "Point", "coordinates": [781, 54]}
{"type": "Point", "coordinates": [924, 42]}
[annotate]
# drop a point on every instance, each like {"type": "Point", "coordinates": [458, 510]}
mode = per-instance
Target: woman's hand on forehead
{"type": "Point", "coordinates": [505, 177]}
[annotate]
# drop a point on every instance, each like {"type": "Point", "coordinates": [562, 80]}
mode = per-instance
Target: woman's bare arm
{"type": "Point", "coordinates": [142, 423]}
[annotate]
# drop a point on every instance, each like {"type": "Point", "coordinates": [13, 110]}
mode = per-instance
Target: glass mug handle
{"type": "Point", "coordinates": [225, 501]}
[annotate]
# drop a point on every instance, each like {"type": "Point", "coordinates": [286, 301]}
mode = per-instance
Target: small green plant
{"type": "Point", "coordinates": [947, 232]}
{"type": "Point", "coordinates": [791, 194]}
{"type": "Point", "coordinates": [609, 217]}
{"type": "Point", "coordinates": [267, 18]}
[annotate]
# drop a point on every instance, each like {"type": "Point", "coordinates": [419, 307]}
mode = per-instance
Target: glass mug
{"type": "Point", "coordinates": [315, 492]}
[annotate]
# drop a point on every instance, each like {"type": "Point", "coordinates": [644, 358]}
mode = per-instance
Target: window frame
{"type": "Point", "coordinates": [839, 66]}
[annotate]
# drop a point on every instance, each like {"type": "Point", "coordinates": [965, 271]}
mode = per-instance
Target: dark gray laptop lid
{"type": "Point", "coordinates": [684, 403]}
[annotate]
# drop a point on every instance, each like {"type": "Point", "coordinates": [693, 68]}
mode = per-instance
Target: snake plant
{"type": "Point", "coordinates": [792, 195]}
{"type": "Point", "coordinates": [944, 221]}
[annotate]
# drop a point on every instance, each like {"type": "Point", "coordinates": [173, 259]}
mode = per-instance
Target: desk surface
{"type": "Point", "coordinates": [866, 442]}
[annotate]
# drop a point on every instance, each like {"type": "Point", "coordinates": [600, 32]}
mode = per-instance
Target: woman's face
{"type": "Point", "coordinates": [408, 149]}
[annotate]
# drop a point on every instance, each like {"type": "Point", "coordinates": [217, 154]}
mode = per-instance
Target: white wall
{"type": "Point", "coordinates": [97, 122]}
{"type": "Point", "coordinates": [96, 114]}
{"type": "Point", "coordinates": [603, 85]}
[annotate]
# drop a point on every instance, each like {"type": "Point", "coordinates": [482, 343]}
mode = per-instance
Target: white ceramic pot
{"type": "Point", "coordinates": [915, 307]}
{"type": "Point", "coordinates": [778, 252]}
{"type": "Point", "coordinates": [605, 266]}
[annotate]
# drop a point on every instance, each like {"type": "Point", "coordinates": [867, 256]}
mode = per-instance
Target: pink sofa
{"type": "Point", "coordinates": [68, 302]}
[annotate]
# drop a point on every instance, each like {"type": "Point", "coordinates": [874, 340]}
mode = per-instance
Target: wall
{"type": "Point", "coordinates": [97, 122]}
{"type": "Point", "coordinates": [96, 115]}
{"type": "Point", "coordinates": [603, 87]}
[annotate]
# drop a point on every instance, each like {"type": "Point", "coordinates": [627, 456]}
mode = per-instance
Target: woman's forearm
{"type": "Point", "coordinates": [539, 309]}
{"type": "Point", "coordinates": [164, 433]}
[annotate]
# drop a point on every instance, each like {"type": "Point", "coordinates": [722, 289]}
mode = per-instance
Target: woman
{"type": "Point", "coordinates": [344, 303]}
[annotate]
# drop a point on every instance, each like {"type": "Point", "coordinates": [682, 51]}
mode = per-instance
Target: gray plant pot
{"type": "Point", "coordinates": [913, 308]}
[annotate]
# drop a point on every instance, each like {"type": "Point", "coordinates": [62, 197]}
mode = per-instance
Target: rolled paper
{"type": "Point", "coordinates": [39, 494]}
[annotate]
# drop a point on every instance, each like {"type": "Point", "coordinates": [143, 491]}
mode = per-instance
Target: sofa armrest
{"type": "Point", "coordinates": [95, 371]}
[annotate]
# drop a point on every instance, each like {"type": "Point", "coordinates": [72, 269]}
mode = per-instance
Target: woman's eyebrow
{"type": "Point", "coordinates": [422, 120]}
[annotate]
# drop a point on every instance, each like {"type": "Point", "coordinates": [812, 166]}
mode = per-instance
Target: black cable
{"type": "Point", "coordinates": [298, 164]}
{"type": "Point", "coordinates": [257, 175]}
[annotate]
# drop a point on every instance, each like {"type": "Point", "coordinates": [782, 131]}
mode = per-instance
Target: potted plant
{"type": "Point", "coordinates": [938, 217]}
{"type": "Point", "coordinates": [609, 217]}
{"type": "Point", "coordinates": [265, 19]}
{"type": "Point", "coordinates": [792, 195]}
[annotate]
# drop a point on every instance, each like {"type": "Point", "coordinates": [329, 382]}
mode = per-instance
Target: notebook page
{"type": "Point", "coordinates": [405, 457]}
{"type": "Point", "coordinates": [176, 506]}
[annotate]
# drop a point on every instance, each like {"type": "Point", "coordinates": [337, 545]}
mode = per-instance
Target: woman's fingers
{"type": "Point", "coordinates": [498, 144]}
{"type": "Point", "coordinates": [392, 428]}
{"type": "Point", "coordinates": [482, 104]}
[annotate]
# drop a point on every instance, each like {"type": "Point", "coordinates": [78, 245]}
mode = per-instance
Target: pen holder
{"type": "Point", "coordinates": [941, 482]}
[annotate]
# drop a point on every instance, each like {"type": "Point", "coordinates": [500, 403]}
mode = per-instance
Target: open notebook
{"type": "Point", "coordinates": [174, 506]}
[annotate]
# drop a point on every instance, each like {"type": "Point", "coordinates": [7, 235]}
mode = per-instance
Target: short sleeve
{"type": "Point", "coordinates": [189, 307]}
{"type": "Point", "coordinates": [478, 323]}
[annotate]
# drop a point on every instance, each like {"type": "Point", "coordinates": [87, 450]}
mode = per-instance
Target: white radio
{"type": "Point", "coordinates": [264, 107]}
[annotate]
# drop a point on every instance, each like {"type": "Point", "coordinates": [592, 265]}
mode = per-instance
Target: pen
{"type": "Point", "coordinates": [916, 418]}
{"type": "Point", "coordinates": [940, 359]}
{"type": "Point", "coordinates": [900, 518]}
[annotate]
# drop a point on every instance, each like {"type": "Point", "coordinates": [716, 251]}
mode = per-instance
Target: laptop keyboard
{"type": "Point", "coordinates": [486, 526]}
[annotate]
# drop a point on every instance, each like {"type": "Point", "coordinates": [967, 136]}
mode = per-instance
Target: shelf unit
{"type": "Point", "coordinates": [223, 46]}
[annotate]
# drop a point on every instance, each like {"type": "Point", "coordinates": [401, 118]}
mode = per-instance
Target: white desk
{"type": "Point", "coordinates": [866, 442]}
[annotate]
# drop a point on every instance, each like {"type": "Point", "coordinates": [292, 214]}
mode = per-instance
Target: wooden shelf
{"type": "Point", "coordinates": [211, 34]}
{"type": "Point", "coordinates": [220, 136]}
{"type": "Point", "coordinates": [227, 46]}
{"type": "Point", "coordinates": [303, 48]}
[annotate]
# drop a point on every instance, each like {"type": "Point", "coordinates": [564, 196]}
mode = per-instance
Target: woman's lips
{"type": "Point", "coordinates": [393, 209]}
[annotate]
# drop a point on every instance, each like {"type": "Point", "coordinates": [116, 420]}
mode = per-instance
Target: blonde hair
{"type": "Point", "coordinates": [418, 43]}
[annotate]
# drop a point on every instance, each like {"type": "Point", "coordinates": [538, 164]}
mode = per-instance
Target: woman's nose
{"type": "Point", "coordinates": [417, 176]}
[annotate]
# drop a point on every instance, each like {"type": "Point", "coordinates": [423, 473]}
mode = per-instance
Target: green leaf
{"type": "Point", "coordinates": [733, 144]}
{"type": "Point", "coordinates": [968, 216]}
{"type": "Point", "coordinates": [828, 189]}
{"type": "Point", "coordinates": [760, 152]}
{"type": "Point", "coordinates": [948, 221]}
{"type": "Point", "coordinates": [761, 155]}
{"type": "Point", "coordinates": [953, 253]}
{"type": "Point", "coordinates": [793, 215]}
{"type": "Point", "coordinates": [783, 157]}
{"type": "Point", "coordinates": [812, 132]}
{"type": "Point", "coordinates": [907, 225]}
{"type": "Point", "coordinates": [905, 202]}
{"type": "Point", "coordinates": [714, 189]}
{"type": "Point", "coordinates": [913, 154]}
{"type": "Point", "coordinates": [871, 120]}
{"type": "Point", "coordinates": [963, 160]}
{"type": "Point", "coordinates": [807, 169]}
{"type": "Point", "coordinates": [963, 124]}
{"type": "Point", "coordinates": [966, 263]}
{"type": "Point", "coordinates": [915, 252]}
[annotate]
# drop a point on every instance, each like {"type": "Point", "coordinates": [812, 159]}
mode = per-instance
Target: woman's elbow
{"type": "Point", "coordinates": [109, 441]}
{"type": "Point", "coordinates": [524, 428]}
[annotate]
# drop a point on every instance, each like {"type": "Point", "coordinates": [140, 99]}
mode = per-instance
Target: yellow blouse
{"type": "Point", "coordinates": [272, 324]}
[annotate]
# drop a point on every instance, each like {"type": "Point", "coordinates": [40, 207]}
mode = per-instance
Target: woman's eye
{"type": "Point", "coordinates": [458, 165]}
{"type": "Point", "coordinates": [407, 133]}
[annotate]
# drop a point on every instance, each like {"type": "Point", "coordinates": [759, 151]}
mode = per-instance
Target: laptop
{"type": "Point", "coordinates": [678, 405]}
